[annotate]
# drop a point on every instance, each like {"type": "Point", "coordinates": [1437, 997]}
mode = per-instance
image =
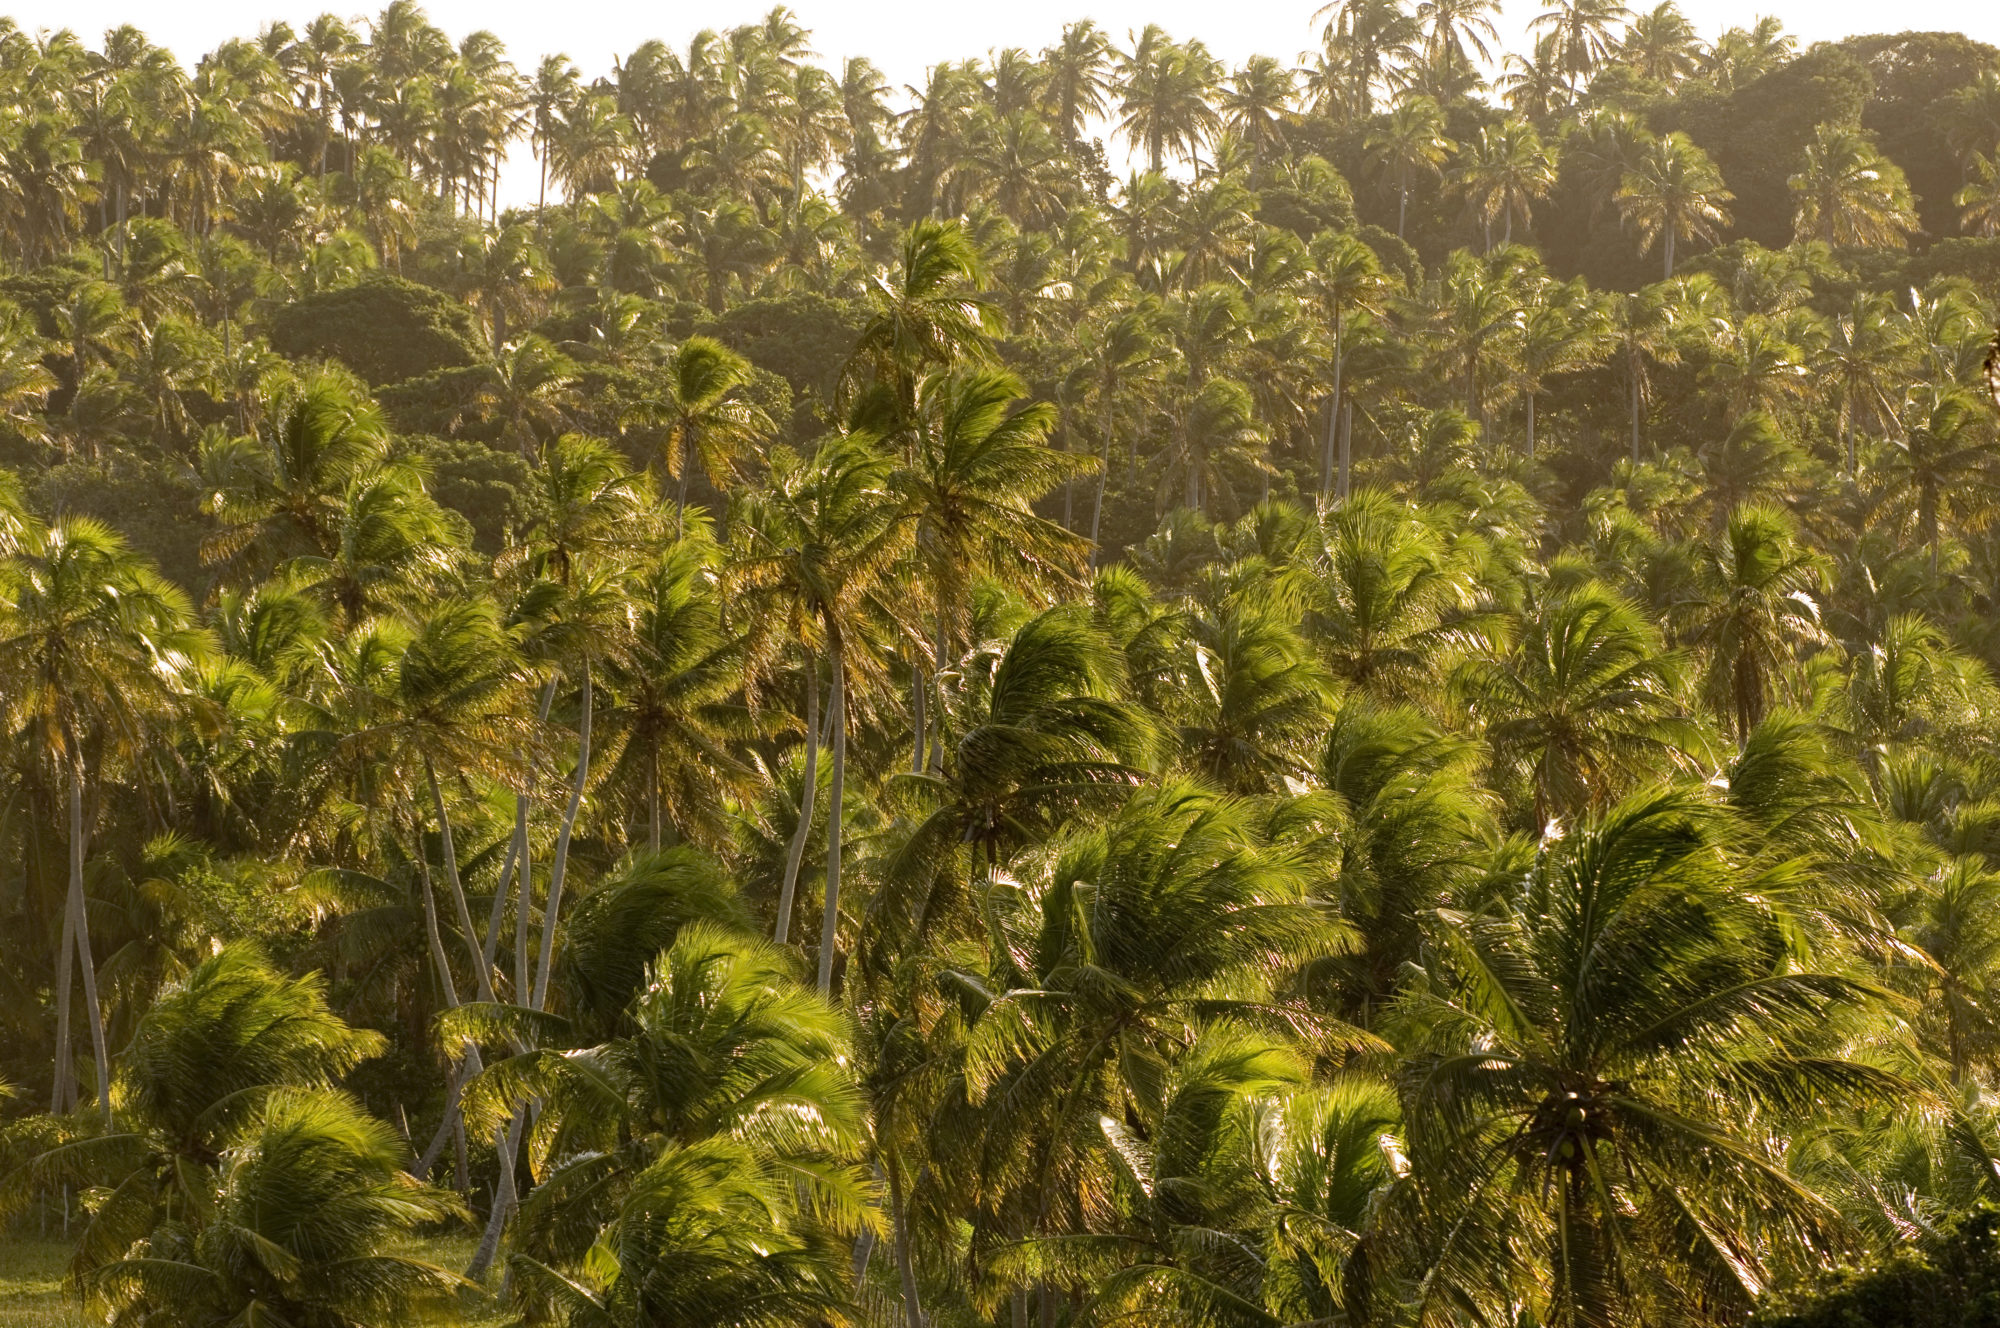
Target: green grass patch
{"type": "Point", "coordinates": [31, 1289]}
{"type": "Point", "coordinates": [32, 1295]}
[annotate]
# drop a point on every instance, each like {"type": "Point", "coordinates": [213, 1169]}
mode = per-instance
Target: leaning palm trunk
{"type": "Point", "coordinates": [830, 924]}
{"type": "Point", "coordinates": [559, 863]}
{"type": "Point", "coordinates": [906, 1268]}
{"type": "Point", "coordinates": [482, 979]}
{"type": "Point", "coordinates": [76, 940]}
{"type": "Point", "coordinates": [795, 853]}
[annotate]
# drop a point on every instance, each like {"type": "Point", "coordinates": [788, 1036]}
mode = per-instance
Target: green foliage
{"type": "Point", "coordinates": [384, 328]}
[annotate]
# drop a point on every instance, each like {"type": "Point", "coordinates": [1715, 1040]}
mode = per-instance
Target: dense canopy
{"type": "Point", "coordinates": [1356, 690]}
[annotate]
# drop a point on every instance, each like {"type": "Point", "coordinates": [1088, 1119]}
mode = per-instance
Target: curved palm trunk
{"type": "Point", "coordinates": [795, 853]}
{"type": "Point", "coordinates": [906, 1268]}
{"type": "Point", "coordinates": [81, 925]}
{"type": "Point", "coordinates": [830, 923]}
{"type": "Point", "coordinates": [559, 863]}
{"type": "Point", "coordinates": [1103, 477]}
{"type": "Point", "coordinates": [482, 979]}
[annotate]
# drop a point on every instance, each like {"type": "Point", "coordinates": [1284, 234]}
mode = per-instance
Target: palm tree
{"type": "Point", "coordinates": [1076, 85]}
{"type": "Point", "coordinates": [1674, 193]}
{"type": "Point", "coordinates": [1564, 331]}
{"type": "Point", "coordinates": [1389, 601]}
{"type": "Point", "coordinates": [1662, 45]}
{"type": "Point", "coordinates": [212, 1050]}
{"type": "Point", "coordinates": [1942, 451]}
{"type": "Point", "coordinates": [1978, 200]}
{"type": "Point", "coordinates": [1866, 358]}
{"type": "Point", "coordinates": [721, 1056]}
{"type": "Point", "coordinates": [1166, 97]}
{"type": "Point", "coordinates": [1586, 701]}
{"type": "Point", "coordinates": [1408, 145]}
{"type": "Point", "coordinates": [100, 647]}
{"type": "Point", "coordinates": [1583, 32]}
{"type": "Point", "coordinates": [1505, 172]}
{"type": "Point", "coordinates": [1850, 195]}
{"type": "Point", "coordinates": [929, 313]}
{"type": "Point", "coordinates": [1257, 107]}
{"type": "Point", "coordinates": [980, 461]}
{"type": "Point", "coordinates": [1344, 277]}
{"type": "Point", "coordinates": [705, 415]}
{"type": "Point", "coordinates": [316, 1189]}
{"type": "Point", "coordinates": [1454, 32]}
{"type": "Point", "coordinates": [1601, 1069]}
{"type": "Point", "coordinates": [1140, 926]}
{"type": "Point", "coordinates": [1041, 738]}
{"type": "Point", "coordinates": [815, 547]}
{"type": "Point", "coordinates": [1251, 699]}
{"type": "Point", "coordinates": [1756, 606]}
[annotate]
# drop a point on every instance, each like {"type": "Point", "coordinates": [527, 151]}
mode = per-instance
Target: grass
{"type": "Point", "coordinates": [32, 1296]}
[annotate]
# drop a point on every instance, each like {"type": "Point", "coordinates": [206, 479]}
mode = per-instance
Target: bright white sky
{"type": "Point", "coordinates": [904, 37]}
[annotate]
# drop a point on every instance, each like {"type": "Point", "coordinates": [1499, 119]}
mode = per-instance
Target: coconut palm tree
{"type": "Point", "coordinates": [815, 548]}
{"type": "Point", "coordinates": [310, 1197]}
{"type": "Point", "coordinates": [1757, 605]}
{"type": "Point", "coordinates": [1602, 1067]}
{"type": "Point", "coordinates": [1503, 173]}
{"type": "Point", "coordinates": [1587, 700]}
{"type": "Point", "coordinates": [705, 415]}
{"type": "Point", "coordinates": [1942, 451]}
{"type": "Point", "coordinates": [100, 647]}
{"type": "Point", "coordinates": [1166, 97]}
{"type": "Point", "coordinates": [721, 1045]}
{"type": "Point", "coordinates": [1674, 193]}
{"type": "Point", "coordinates": [1848, 194]}
{"type": "Point", "coordinates": [1584, 33]}
{"type": "Point", "coordinates": [1406, 147]}
{"type": "Point", "coordinates": [929, 313]}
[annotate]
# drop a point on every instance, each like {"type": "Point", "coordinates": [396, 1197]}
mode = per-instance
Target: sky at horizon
{"type": "Point", "coordinates": [905, 37]}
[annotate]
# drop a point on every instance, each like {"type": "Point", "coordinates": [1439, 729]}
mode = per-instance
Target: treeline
{"type": "Point", "coordinates": [853, 720]}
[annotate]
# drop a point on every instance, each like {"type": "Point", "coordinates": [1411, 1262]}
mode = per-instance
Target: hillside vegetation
{"type": "Point", "coordinates": [1109, 691]}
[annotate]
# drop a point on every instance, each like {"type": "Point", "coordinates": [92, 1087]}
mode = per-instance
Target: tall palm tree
{"type": "Point", "coordinates": [1850, 195]}
{"type": "Point", "coordinates": [1942, 451]}
{"type": "Point", "coordinates": [310, 1198]}
{"type": "Point", "coordinates": [815, 548]}
{"type": "Point", "coordinates": [100, 647]}
{"type": "Point", "coordinates": [1344, 278]}
{"type": "Point", "coordinates": [1409, 145]}
{"type": "Point", "coordinates": [705, 415]}
{"type": "Point", "coordinates": [1866, 357]}
{"type": "Point", "coordinates": [929, 312]}
{"type": "Point", "coordinates": [1506, 170]}
{"type": "Point", "coordinates": [1757, 605]}
{"type": "Point", "coordinates": [1584, 33]}
{"type": "Point", "coordinates": [1603, 1064]}
{"type": "Point", "coordinates": [1586, 701]}
{"type": "Point", "coordinates": [1674, 193]}
{"type": "Point", "coordinates": [1166, 97]}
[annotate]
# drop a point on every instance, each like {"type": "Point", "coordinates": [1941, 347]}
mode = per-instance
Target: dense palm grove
{"type": "Point", "coordinates": [1111, 689]}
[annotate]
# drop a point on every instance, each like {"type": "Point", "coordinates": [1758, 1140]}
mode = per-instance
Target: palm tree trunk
{"type": "Point", "coordinates": [483, 982]}
{"type": "Point", "coordinates": [1848, 431]}
{"type": "Point", "coordinates": [506, 1143]}
{"type": "Point", "coordinates": [681, 492]}
{"type": "Point", "coordinates": [830, 924]}
{"type": "Point", "coordinates": [1342, 478]}
{"type": "Point", "coordinates": [1531, 426]}
{"type": "Point", "coordinates": [1668, 246]}
{"type": "Point", "coordinates": [63, 1094]}
{"type": "Point", "coordinates": [559, 862]}
{"type": "Point", "coordinates": [795, 853]}
{"type": "Point", "coordinates": [653, 798]}
{"type": "Point", "coordinates": [906, 1269]}
{"type": "Point", "coordinates": [1633, 373]}
{"type": "Point", "coordinates": [91, 1011]}
{"type": "Point", "coordinates": [1103, 477]}
{"type": "Point", "coordinates": [919, 683]}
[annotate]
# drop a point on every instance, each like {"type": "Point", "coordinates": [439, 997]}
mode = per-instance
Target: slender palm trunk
{"type": "Point", "coordinates": [1103, 476]}
{"type": "Point", "coordinates": [63, 1095]}
{"type": "Point", "coordinates": [653, 797]}
{"type": "Point", "coordinates": [906, 1268]}
{"type": "Point", "coordinates": [1343, 477]}
{"type": "Point", "coordinates": [1633, 373]}
{"type": "Point", "coordinates": [830, 924]}
{"type": "Point", "coordinates": [795, 853]}
{"type": "Point", "coordinates": [559, 862]}
{"type": "Point", "coordinates": [80, 907]}
{"type": "Point", "coordinates": [681, 491]}
{"type": "Point", "coordinates": [1668, 246]}
{"type": "Point", "coordinates": [482, 979]}
{"type": "Point", "coordinates": [1531, 426]}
